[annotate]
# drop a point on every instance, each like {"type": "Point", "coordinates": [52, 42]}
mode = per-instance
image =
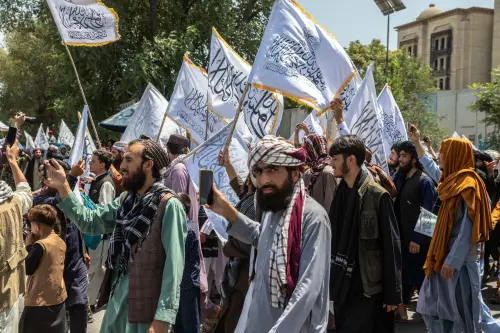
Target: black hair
{"type": "Point", "coordinates": [396, 147]}
{"type": "Point", "coordinates": [349, 145]}
{"type": "Point", "coordinates": [176, 149]}
{"type": "Point", "coordinates": [104, 156]}
{"type": "Point", "coordinates": [186, 202]}
{"type": "Point", "coordinates": [410, 148]}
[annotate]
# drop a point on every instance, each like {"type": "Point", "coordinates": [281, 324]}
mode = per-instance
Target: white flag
{"type": "Point", "coordinates": [394, 129]}
{"type": "Point", "coordinates": [466, 138]}
{"type": "Point", "coordinates": [79, 145]}
{"type": "Point", "coordinates": [148, 117]}
{"type": "Point", "coordinates": [301, 59]}
{"type": "Point", "coordinates": [90, 146]}
{"type": "Point", "coordinates": [205, 156]}
{"type": "Point", "coordinates": [41, 139]}
{"type": "Point", "coordinates": [30, 143]}
{"type": "Point", "coordinates": [364, 119]}
{"type": "Point", "coordinates": [3, 127]}
{"type": "Point", "coordinates": [84, 22]}
{"type": "Point", "coordinates": [65, 135]}
{"type": "Point", "coordinates": [455, 135]}
{"type": "Point", "coordinates": [227, 78]}
{"type": "Point", "coordinates": [313, 124]}
{"type": "Point", "coordinates": [188, 105]}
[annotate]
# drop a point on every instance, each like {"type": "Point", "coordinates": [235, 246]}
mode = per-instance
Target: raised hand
{"type": "Point", "coordinates": [56, 176]}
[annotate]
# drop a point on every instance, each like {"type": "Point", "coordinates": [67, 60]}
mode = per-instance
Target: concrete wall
{"type": "Point", "coordinates": [291, 117]}
{"type": "Point", "coordinates": [496, 37]}
{"type": "Point", "coordinates": [453, 115]}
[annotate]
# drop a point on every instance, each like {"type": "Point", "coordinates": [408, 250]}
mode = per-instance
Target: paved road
{"type": "Point", "coordinates": [412, 326]}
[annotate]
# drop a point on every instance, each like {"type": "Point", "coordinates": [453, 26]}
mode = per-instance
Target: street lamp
{"type": "Point", "coordinates": [388, 7]}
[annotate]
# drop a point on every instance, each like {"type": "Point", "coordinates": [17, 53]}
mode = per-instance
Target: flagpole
{"type": "Point", "coordinates": [163, 123]}
{"type": "Point", "coordinates": [83, 95]}
{"type": "Point", "coordinates": [206, 121]}
{"type": "Point", "coordinates": [235, 120]}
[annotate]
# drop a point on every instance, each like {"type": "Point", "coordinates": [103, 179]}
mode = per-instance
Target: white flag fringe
{"type": "Point", "coordinates": [205, 156]}
{"type": "Point", "coordinates": [65, 135]}
{"type": "Point", "coordinates": [393, 128]}
{"type": "Point", "coordinates": [364, 119]}
{"type": "Point", "coordinates": [301, 59]}
{"type": "Point", "coordinates": [84, 22]}
{"type": "Point", "coordinates": [227, 78]}
{"type": "Point", "coordinates": [41, 139]}
{"type": "Point", "coordinates": [188, 105]}
{"type": "Point", "coordinates": [148, 117]}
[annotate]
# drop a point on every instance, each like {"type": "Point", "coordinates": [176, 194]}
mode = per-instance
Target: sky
{"type": "Point", "coordinates": [362, 20]}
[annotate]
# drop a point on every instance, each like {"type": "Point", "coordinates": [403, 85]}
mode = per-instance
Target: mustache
{"type": "Point", "coordinates": [274, 187]}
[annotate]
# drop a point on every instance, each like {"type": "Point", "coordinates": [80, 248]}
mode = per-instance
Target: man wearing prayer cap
{"type": "Point", "coordinates": [146, 254]}
{"type": "Point", "coordinates": [290, 276]}
{"type": "Point", "coordinates": [117, 150]}
{"type": "Point", "coordinates": [450, 299]}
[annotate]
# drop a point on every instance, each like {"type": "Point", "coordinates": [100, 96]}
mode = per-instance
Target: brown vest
{"type": "Point", "coordinates": [46, 286]}
{"type": "Point", "coordinates": [12, 253]}
{"type": "Point", "coordinates": [146, 272]}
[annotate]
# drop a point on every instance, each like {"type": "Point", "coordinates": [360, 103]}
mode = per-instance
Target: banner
{"type": "Point", "coordinates": [148, 117]}
{"type": "Point", "coordinates": [3, 127]}
{"type": "Point", "coordinates": [313, 124]}
{"type": "Point", "coordinates": [227, 78]}
{"type": "Point", "coordinates": [30, 144]}
{"type": "Point", "coordinates": [206, 155]}
{"type": "Point", "coordinates": [65, 135]}
{"type": "Point", "coordinates": [84, 22]}
{"type": "Point", "coordinates": [41, 139]}
{"type": "Point", "coordinates": [188, 105]}
{"type": "Point", "coordinates": [364, 119]}
{"type": "Point", "coordinates": [426, 223]}
{"type": "Point", "coordinates": [301, 59]}
{"type": "Point", "coordinates": [394, 128]}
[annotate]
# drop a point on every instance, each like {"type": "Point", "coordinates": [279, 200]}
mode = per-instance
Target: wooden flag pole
{"type": "Point", "coordinates": [235, 120]}
{"type": "Point", "coordinates": [83, 95]}
{"type": "Point", "coordinates": [163, 123]}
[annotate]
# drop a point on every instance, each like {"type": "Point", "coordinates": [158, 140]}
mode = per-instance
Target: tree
{"type": "Point", "coordinates": [410, 81]}
{"type": "Point", "coordinates": [488, 101]}
{"type": "Point", "coordinates": [36, 76]}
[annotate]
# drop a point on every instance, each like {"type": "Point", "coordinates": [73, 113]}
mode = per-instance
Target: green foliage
{"type": "Point", "coordinates": [410, 81]}
{"type": "Point", "coordinates": [488, 101]}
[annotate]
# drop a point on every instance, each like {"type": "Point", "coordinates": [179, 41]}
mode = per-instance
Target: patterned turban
{"type": "Point", "coordinates": [121, 146]}
{"type": "Point", "coordinates": [271, 150]}
{"type": "Point", "coordinates": [153, 151]}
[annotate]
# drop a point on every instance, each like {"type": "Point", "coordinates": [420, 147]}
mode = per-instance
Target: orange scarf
{"type": "Point", "coordinates": [458, 182]}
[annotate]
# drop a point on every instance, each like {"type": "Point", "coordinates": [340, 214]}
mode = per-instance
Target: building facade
{"type": "Point", "coordinates": [457, 44]}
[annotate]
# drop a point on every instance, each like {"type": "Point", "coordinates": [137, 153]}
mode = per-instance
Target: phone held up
{"type": "Point", "coordinates": [206, 183]}
{"type": "Point", "coordinates": [9, 141]}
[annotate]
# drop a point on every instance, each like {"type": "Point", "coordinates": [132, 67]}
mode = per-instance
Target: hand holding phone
{"type": "Point", "coordinates": [206, 184]}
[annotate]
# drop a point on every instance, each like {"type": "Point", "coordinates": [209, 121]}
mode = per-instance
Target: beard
{"type": "Point", "coordinates": [405, 168]}
{"type": "Point", "coordinates": [134, 180]}
{"type": "Point", "coordinates": [117, 163]}
{"type": "Point", "coordinates": [392, 164]}
{"type": "Point", "coordinates": [277, 200]}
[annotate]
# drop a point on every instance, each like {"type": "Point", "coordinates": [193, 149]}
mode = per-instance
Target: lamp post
{"type": "Point", "coordinates": [388, 7]}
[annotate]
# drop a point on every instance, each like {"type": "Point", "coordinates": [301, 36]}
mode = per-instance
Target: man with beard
{"type": "Point", "coordinates": [117, 152]}
{"type": "Point", "coordinates": [289, 288]}
{"type": "Point", "coordinates": [365, 283]}
{"type": "Point", "coordinates": [417, 191]}
{"type": "Point", "coordinates": [32, 174]}
{"type": "Point", "coordinates": [76, 257]}
{"type": "Point", "coordinates": [393, 161]}
{"type": "Point", "coordinates": [146, 254]}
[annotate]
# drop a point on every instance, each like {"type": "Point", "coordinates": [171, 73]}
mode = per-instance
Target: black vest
{"type": "Point", "coordinates": [95, 187]}
{"type": "Point", "coordinates": [407, 206]}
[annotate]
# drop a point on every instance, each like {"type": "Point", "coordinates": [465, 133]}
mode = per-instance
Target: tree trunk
{"type": "Point", "coordinates": [153, 16]}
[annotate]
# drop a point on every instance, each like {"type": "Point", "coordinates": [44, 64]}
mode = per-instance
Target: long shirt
{"type": "Point", "coordinates": [174, 232]}
{"type": "Point", "coordinates": [307, 309]}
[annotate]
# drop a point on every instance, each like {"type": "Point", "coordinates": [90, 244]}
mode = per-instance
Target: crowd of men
{"type": "Point", "coordinates": [322, 239]}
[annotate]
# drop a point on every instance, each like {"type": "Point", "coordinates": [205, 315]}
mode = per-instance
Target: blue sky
{"type": "Point", "coordinates": [362, 20]}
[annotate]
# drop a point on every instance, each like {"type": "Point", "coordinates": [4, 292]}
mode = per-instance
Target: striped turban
{"type": "Point", "coordinates": [153, 151]}
{"type": "Point", "coordinates": [271, 150]}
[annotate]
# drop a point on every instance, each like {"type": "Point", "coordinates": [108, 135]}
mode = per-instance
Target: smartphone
{"type": "Point", "coordinates": [408, 127]}
{"type": "Point", "coordinates": [11, 136]}
{"type": "Point", "coordinates": [206, 183]}
{"type": "Point", "coordinates": [45, 173]}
